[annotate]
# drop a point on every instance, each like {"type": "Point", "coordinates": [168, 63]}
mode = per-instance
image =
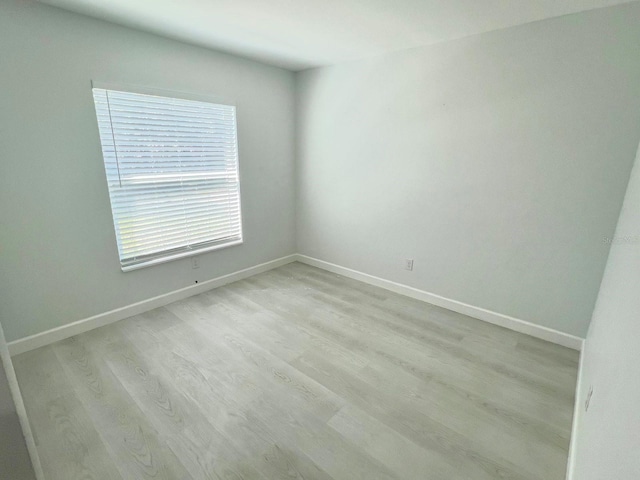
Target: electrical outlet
{"type": "Point", "coordinates": [587, 402]}
{"type": "Point", "coordinates": [408, 264]}
{"type": "Point", "coordinates": [194, 262]}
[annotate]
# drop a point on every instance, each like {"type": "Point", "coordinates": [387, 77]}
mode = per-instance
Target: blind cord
{"type": "Point", "coordinates": [113, 137]}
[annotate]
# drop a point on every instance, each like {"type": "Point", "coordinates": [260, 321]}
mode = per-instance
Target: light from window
{"type": "Point", "coordinates": [172, 171]}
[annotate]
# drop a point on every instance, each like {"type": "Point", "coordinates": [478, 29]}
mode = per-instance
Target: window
{"type": "Point", "coordinates": [172, 171]}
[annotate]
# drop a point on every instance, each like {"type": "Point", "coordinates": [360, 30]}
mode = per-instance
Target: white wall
{"type": "Point", "coordinates": [58, 257]}
{"type": "Point", "coordinates": [607, 439]}
{"type": "Point", "coordinates": [498, 162]}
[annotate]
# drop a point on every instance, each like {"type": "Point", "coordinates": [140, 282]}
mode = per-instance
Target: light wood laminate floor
{"type": "Point", "coordinates": [298, 373]}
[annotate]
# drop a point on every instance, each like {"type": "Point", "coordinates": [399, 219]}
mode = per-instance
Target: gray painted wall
{"type": "Point", "coordinates": [498, 162]}
{"type": "Point", "coordinates": [607, 440]}
{"type": "Point", "coordinates": [58, 256]}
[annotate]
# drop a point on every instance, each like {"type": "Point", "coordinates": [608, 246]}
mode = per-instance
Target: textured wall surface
{"type": "Point", "coordinates": [498, 162]}
{"type": "Point", "coordinates": [607, 441]}
{"type": "Point", "coordinates": [59, 260]}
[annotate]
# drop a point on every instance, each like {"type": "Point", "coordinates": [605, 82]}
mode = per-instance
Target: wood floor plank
{"type": "Point", "coordinates": [428, 361]}
{"type": "Point", "coordinates": [137, 448]}
{"type": "Point", "coordinates": [300, 373]}
{"type": "Point", "coordinates": [470, 457]}
{"type": "Point", "coordinates": [281, 331]}
{"type": "Point", "coordinates": [500, 432]}
{"type": "Point", "coordinates": [412, 311]}
{"type": "Point", "coordinates": [385, 324]}
{"type": "Point", "coordinates": [275, 372]}
{"type": "Point", "coordinates": [421, 361]}
{"type": "Point", "coordinates": [264, 447]}
{"type": "Point", "coordinates": [398, 453]}
{"type": "Point", "coordinates": [74, 449]}
{"type": "Point", "coordinates": [204, 451]}
{"type": "Point", "coordinates": [332, 452]}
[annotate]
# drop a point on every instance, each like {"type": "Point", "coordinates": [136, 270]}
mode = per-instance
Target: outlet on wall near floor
{"type": "Point", "coordinates": [408, 264]}
{"type": "Point", "coordinates": [194, 262]}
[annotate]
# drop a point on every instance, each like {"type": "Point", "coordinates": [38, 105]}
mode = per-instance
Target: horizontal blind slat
{"type": "Point", "coordinates": [170, 249]}
{"type": "Point", "coordinates": [143, 257]}
{"type": "Point", "coordinates": [172, 199]}
{"type": "Point", "coordinates": [172, 221]}
{"type": "Point", "coordinates": [131, 249]}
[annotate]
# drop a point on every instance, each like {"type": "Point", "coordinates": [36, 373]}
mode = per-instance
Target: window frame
{"type": "Point", "coordinates": [166, 255]}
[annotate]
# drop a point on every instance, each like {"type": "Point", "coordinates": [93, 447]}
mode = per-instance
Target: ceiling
{"type": "Point", "coordinates": [298, 34]}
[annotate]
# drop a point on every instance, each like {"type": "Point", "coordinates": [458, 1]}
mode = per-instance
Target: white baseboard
{"type": "Point", "coordinates": [65, 331]}
{"type": "Point", "coordinates": [521, 326]}
{"type": "Point", "coordinates": [577, 417]}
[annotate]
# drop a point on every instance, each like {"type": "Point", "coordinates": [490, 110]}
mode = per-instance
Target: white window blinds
{"type": "Point", "coordinates": [172, 170]}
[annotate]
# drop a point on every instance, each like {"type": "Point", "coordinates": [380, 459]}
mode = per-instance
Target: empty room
{"type": "Point", "coordinates": [329, 240]}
